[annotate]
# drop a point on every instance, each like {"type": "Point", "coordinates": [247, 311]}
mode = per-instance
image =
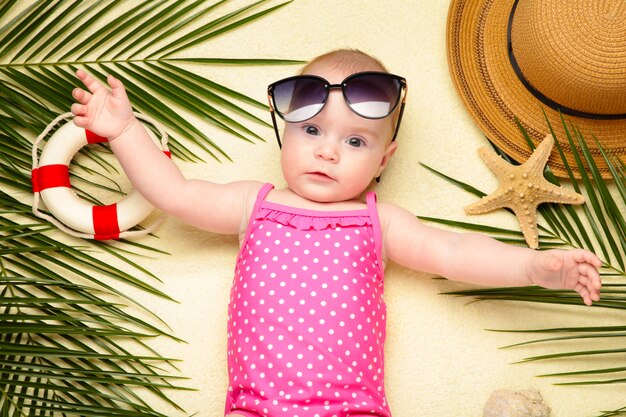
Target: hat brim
{"type": "Point", "coordinates": [477, 47]}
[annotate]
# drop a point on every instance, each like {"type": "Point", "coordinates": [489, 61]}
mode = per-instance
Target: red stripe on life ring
{"type": "Point", "coordinates": [50, 176]}
{"type": "Point", "coordinates": [105, 222]}
{"type": "Point", "coordinates": [93, 138]}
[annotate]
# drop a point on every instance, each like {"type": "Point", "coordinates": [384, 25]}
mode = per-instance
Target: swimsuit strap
{"type": "Point", "coordinates": [265, 188]}
{"type": "Point", "coordinates": [260, 197]}
{"type": "Point", "coordinates": [370, 198]}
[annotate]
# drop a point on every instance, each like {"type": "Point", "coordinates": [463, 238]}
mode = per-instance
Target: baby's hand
{"type": "Point", "coordinates": [105, 112]}
{"type": "Point", "coordinates": [574, 269]}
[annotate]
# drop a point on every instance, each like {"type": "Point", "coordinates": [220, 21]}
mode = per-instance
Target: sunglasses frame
{"type": "Point", "coordinates": [328, 87]}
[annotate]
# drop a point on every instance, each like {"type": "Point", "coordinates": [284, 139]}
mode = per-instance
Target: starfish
{"type": "Point", "coordinates": [522, 188]}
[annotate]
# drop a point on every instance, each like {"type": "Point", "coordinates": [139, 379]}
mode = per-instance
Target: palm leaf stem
{"type": "Point", "coordinates": [234, 61]}
{"type": "Point", "coordinates": [568, 338]}
{"type": "Point", "coordinates": [598, 382]}
{"type": "Point", "coordinates": [55, 64]}
{"type": "Point", "coordinates": [589, 372]}
{"type": "Point", "coordinates": [574, 354]}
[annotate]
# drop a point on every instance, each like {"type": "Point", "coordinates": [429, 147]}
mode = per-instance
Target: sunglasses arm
{"type": "Point", "coordinates": [406, 91]}
{"type": "Point", "coordinates": [273, 114]}
{"type": "Point", "coordinates": [399, 120]}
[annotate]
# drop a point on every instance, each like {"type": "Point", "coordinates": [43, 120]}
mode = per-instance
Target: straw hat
{"type": "Point", "coordinates": [564, 54]}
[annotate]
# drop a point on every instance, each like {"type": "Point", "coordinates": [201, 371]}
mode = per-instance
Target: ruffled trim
{"type": "Point", "coordinates": [308, 219]}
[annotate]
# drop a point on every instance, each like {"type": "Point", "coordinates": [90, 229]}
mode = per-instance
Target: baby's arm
{"type": "Point", "coordinates": [215, 207]}
{"type": "Point", "coordinates": [482, 260]}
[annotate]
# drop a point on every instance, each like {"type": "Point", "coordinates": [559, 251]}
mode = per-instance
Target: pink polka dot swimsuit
{"type": "Point", "coordinates": [306, 319]}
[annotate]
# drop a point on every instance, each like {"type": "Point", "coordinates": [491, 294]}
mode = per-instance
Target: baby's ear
{"type": "Point", "coordinates": [391, 149]}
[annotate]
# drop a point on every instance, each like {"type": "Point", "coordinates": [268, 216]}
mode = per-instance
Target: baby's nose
{"type": "Point", "coordinates": [327, 150]}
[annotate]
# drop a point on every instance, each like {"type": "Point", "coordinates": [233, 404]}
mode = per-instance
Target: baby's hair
{"type": "Point", "coordinates": [353, 60]}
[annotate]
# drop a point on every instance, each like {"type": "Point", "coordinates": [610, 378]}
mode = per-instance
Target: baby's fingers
{"type": "Point", "coordinates": [117, 88]}
{"type": "Point", "coordinates": [582, 255]}
{"type": "Point", "coordinates": [589, 284]}
{"type": "Point", "coordinates": [81, 121]}
{"type": "Point", "coordinates": [591, 275]}
{"type": "Point", "coordinates": [90, 82]}
{"type": "Point", "coordinates": [81, 95]}
{"type": "Point", "coordinates": [586, 269]}
{"type": "Point", "coordinates": [592, 290]}
{"type": "Point", "coordinates": [78, 109]}
{"type": "Point", "coordinates": [584, 293]}
{"type": "Point", "coordinates": [594, 285]}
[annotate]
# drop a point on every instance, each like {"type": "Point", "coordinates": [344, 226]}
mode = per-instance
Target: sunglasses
{"type": "Point", "coordinates": [371, 95]}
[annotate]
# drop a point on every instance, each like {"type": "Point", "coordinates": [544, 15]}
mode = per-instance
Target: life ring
{"type": "Point", "coordinates": [50, 180]}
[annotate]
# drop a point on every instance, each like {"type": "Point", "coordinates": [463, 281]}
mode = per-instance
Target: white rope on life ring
{"type": "Point", "coordinates": [71, 214]}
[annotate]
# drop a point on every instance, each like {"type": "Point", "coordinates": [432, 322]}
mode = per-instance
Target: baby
{"type": "Point", "coordinates": [306, 319]}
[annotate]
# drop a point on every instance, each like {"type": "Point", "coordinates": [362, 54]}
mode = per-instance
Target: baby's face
{"type": "Point", "coordinates": [335, 155]}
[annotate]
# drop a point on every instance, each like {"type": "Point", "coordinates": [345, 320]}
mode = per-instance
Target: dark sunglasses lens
{"type": "Point", "coordinates": [299, 99]}
{"type": "Point", "coordinates": [373, 95]}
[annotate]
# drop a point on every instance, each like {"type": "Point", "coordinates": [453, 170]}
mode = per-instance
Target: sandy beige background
{"type": "Point", "coordinates": [440, 360]}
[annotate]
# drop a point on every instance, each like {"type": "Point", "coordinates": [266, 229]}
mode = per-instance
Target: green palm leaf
{"type": "Point", "coordinates": [598, 225]}
{"type": "Point", "coordinates": [49, 77]}
{"type": "Point", "coordinates": [69, 344]}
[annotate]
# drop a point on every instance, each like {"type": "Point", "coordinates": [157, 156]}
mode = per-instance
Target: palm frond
{"type": "Point", "coordinates": [598, 225]}
{"type": "Point", "coordinates": [67, 331]}
{"type": "Point", "coordinates": [69, 344]}
{"type": "Point", "coordinates": [35, 69]}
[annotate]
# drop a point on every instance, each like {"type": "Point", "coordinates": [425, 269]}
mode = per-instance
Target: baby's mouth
{"type": "Point", "coordinates": [320, 175]}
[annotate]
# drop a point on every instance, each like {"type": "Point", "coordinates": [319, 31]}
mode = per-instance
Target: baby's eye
{"type": "Point", "coordinates": [356, 142]}
{"type": "Point", "coordinates": [311, 130]}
